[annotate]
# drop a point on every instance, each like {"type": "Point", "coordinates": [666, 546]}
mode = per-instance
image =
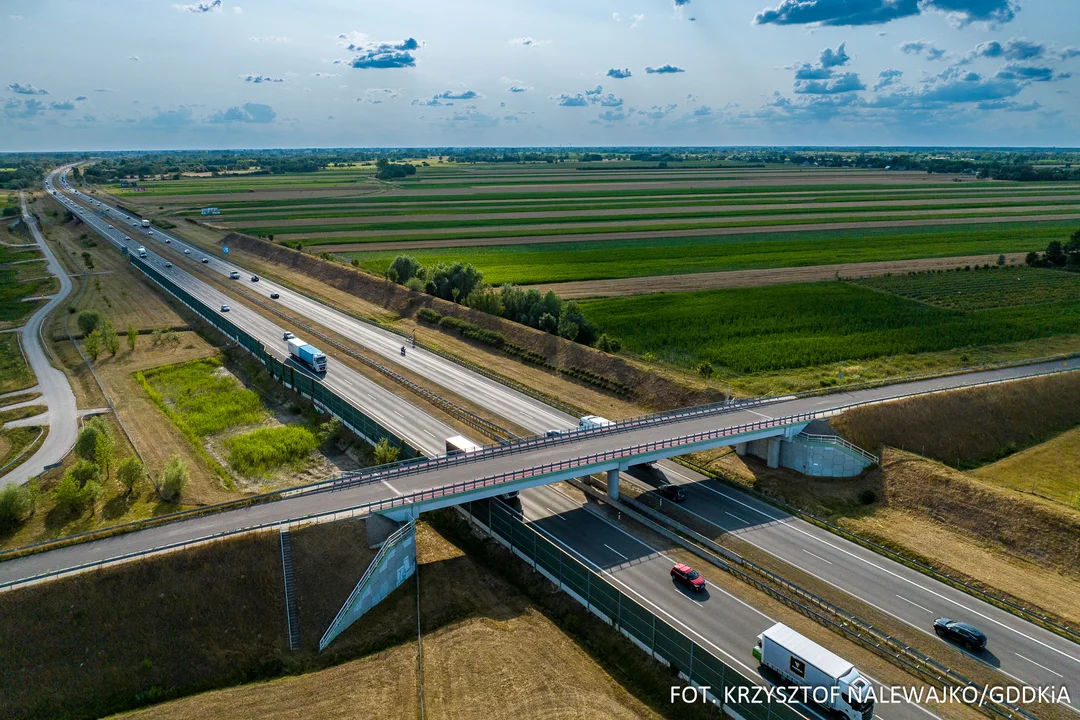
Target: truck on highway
{"type": "Point", "coordinates": [593, 421]}
{"type": "Point", "coordinates": [142, 251]}
{"type": "Point", "coordinates": [460, 445]}
{"type": "Point", "coordinates": [822, 677]}
{"type": "Point", "coordinates": [146, 223]}
{"type": "Point", "coordinates": [307, 354]}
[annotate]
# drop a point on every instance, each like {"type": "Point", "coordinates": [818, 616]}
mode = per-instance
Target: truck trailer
{"type": "Point", "coordinates": [146, 223]}
{"type": "Point", "coordinates": [826, 678]}
{"type": "Point", "coordinates": [593, 421]}
{"type": "Point", "coordinates": [461, 445]}
{"type": "Point", "coordinates": [307, 354]}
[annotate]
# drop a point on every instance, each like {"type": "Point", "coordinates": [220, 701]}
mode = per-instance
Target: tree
{"type": "Point", "coordinates": [16, 504]}
{"type": "Point", "coordinates": [103, 452]}
{"type": "Point", "coordinates": [68, 495]}
{"type": "Point", "coordinates": [92, 345]}
{"type": "Point", "coordinates": [1032, 259]}
{"type": "Point", "coordinates": [86, 441]}
{"type": "Point", "coordinates": [1055, 253]}
{"type": "Point", "coordinates": [129, 473]}
{"type": "Point", "coordinates": [385, 453]}
{"type": "Point", "coordinates": [132, 336]}
{"type": "Point", "coordinates": [110, 339]}
{"type": "Point", "coordinates": [1001, 260]}
{"type": "Point", "coordinates": [174, 477]}
{"type": "Point", "coordinates": [88, 321]}
{"type": "Point", "coordinates": [608, 344]}
{"type": "Point", "coordinates": [404, 268]}
{"type": "Point", "coordinates": [705, 370]}
{"type": "Point", "coordinates": [84, 472]}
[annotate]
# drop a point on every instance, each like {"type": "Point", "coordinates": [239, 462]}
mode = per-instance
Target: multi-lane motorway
{"type": "Point", "coordinates": [1022, 651]}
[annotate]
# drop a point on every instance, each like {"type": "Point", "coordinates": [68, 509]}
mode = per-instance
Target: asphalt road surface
{"type": "Point", "coordinates": [62, 416]}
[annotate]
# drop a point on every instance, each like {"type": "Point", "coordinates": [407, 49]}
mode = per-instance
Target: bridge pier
{"type": "Point", "coordinates": [613, 484]}
{"type": "Point", "coordinates": [772, 458]}
{"type": "Point", "coordinates": [740, 448]}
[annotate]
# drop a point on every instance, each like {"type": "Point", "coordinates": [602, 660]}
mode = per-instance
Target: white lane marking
{"type": "Point", "coordinates": [629, 590]}
{"type": "Point", "coordinates": [742, 520]}
{"type": "Point", "coordinates": [689, 598]}
{"type": "Point", "coordinates": [767, 417]}
{"type": "Point", "coordinates": [1038, 665]}
{"type": "Point", "coordinates": [391, 487]}
{"type": "Point", "coordinates": [616, 551]}
{"type": "Point", "coordinates": [555, 514]}
{"type": "Point", "coordinates": [912, 602]}
{"type": "Point", "coordinates": [896, 575]}
{"type": "Point", "coordinates": [371, 396]}
{"type": "Point", "coordinates": [397, 413]}
{"type": "Point", "coordinates": [818, 557]}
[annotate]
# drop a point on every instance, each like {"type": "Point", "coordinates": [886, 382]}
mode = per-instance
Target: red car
{"type": "Point", "coordinates": [688, 576]}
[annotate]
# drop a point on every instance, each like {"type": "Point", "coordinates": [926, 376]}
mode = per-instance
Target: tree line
{"type": "Point", "coordinates": [463, 283]}
{"type": "Point", "coordinates": [1058, 254]}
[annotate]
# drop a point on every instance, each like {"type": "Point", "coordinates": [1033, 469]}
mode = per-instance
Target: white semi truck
{"type": "Point", "coordinates": [146, 223]}
{"type": "Point", "coordinates": [461, 445]}
{"type": "Point", "coordinates": [829, 680]}
{"type": "Point", "coordinates": [593, 421]}
{"type": "Point", "coordinates": [307, 354]}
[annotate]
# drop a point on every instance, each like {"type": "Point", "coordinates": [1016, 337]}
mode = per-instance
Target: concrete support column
{"type": "Point", "coordinates": [379, 528]}
{"type": "Point", "coordinates": [613, 484]}
{"type": "Point", "coordinates": [773, 454]}
{"type": "Point", "coordinates": [740, 449]}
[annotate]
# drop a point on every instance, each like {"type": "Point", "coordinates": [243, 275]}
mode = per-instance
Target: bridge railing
{"type": "Point", "coordinates": [837, 440]}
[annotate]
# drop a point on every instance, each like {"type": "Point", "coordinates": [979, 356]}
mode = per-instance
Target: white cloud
{"type": "Point", "coordinates": [269, 39]}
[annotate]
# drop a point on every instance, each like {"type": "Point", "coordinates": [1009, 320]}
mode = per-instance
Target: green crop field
{"type": "Point", "coordinates": [558, 262]}
{"type": "Point", "coordinates": [793, 326]}
{"type": "Point", "coordinates": [981, 289]}
{"type": "Point", "coordinates": [206, 398]}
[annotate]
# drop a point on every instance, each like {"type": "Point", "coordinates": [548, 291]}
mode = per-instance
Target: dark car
{"type": "Point", "coordinates": [274, 296]}
{"type": "Point", "coordinates": [688, 576]}
{"type": "Point", "coordinates": [254, 278]}
{"type": "Point", "coordinates": [960, 632]}
{"type": "Point", "coordinates": [672, 492]}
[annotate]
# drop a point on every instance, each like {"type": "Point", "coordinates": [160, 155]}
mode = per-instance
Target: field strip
{"type": "Point", "coordinates": [345, 246]}
{"type": "Point", "coordinates": [660, 212]}
{"type": "Point", "coordinates": [692, 282]}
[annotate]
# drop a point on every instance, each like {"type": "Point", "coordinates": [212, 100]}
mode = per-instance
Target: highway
{"type": "Point", "coordinates": [62, 416]}
{"type": "Point", "coordinates": [714, 618]}
{"type": "Point", "coordinates": [1020, 650]}
{"type": "Point", "coordinates": [391, 411]}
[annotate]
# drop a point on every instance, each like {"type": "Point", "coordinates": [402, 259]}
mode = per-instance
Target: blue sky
{"type": "Point", "coordinates": [145, 74]}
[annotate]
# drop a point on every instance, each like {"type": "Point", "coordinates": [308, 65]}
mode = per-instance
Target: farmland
{"type": "Point", "coordinates": [792, 326]}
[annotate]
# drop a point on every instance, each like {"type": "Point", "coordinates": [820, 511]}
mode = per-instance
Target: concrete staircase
{"type": "Point", "coordinates": [292, 612]}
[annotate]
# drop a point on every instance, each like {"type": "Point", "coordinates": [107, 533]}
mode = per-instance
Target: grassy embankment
{"type": "Point", "coordinates": [222, 623]}
{"type": "Point", "coordinates": [15, 374]}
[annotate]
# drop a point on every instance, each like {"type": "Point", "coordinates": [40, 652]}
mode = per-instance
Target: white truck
{"type": "Point", "coordinates": [142, 251]}
{"type": "Point", "coordinates": [146, 223]}
{"type": "Point", "coordinates": [593, 421]}
{"type": "Point", "coordinates": [307, 354]}
{"type": "Point", "coordinates": [460, 445]}
{"type": "Point", "coordinates": [826, 678]}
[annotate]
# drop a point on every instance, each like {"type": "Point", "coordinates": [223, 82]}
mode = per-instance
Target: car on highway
{"type": "Point", "coordinates": [206, 260]}
{"type": "Point", "coordinates": [168, 264]}
{"type": "Point", "coordinates": [168, 241]}
{"type": "Point", "coordinates": [186, 251]}
{"type": "Point", "coordinates": [149, 232]}
{"type": "Point", "coordinates": [672, 492]}
{"type": "Point", "coordinates": [688, 577]}
{"type": "Point", "coordinates": [287, 335]}
{"type": "Point", "coordinates": [960, 632]}
{"type": "Point", "coordinates": [224, 308]}
{"type": "Point", "coordinates": [274, 296]}
{"type": "Point", "coordinates": [254, 278]}
{"type": "Point", "coordinates": [234, 275]}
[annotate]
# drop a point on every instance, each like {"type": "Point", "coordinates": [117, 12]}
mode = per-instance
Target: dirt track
{"type": "Point", "coordinates": [752, 278]}
{"type": "Point", "coordinates": [704, 232]}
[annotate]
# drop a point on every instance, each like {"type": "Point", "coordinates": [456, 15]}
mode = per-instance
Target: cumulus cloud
{"type": "Point", "coordinates": [843, 83]}
{"type": "Point", "coordinates": [876, 12]}
{"type": "Point", "coordinates": [702, 111]}
{"type": "Point", "coordinates": [954, 86]}
{"type": "Point", "coordinates": [379, 55]}
{"type": "Point", "coordinates": [518, 88]}
{"type": "Point", "coordinates": [1069, 53]}
{"type": "Point", "coordinates": [611, 116]}
{"type": "Point", "coordinates": [269, 39]}
{"type": "Point", "coordinates": [619, 74]}
{"type": "Point", "coordinates": [567, 100]}
{"type": "Point", "coordinates": [528, 42]}
{"type": "Point", "coordinates": [323, 75]}
{"type": "Point", "coordinates": [636, 19]}
{"type": "Point", "coordinates": [1033, 73]}
{"type": "Point", "coordinates": [27, 89]}
{"type": "Point", "coordinates": [63, 106]}
{"type": "Point", "coordinates": [201, 7]}
{"type": "Point", "coordinates": [608, 100]}
{"type": "Point", "coordinates": [887, 78]}
{"type": "Point", "coordinates": [922, 47]}
{"type": "Point", "coordinates": [1012, 49]}
{"type": "Point", "coordinates": [664, 70]}
{"type": "Point", "coordinates": [458, 94]}
{"type": "Point", "coordinates": [80, 98]}
{"type": "Point", "coordinates": [173, 117]}
{"type": "Point", "coordinates": [828, 61]}
{"type": "Point", "coordinates": [834, 58]}
{"type": "Point", "coordinates": [23, 109]}
{"type": "Point", "coordinates": [246, 113]}
{"type": "Point", "coordinates": [135, 58]}
{"type": "Point", "coordinates": [259, 79]}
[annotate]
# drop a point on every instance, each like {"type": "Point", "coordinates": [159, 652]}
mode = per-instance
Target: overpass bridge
{"type": "Point", "coordinates": [405, 490]}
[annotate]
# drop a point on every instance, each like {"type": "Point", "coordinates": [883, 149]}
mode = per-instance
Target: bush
{"type": "Point", "coordinates": [92, 345]}
{"type": "Point", "coordinates": [174, 477]}
{"type": "Point", "coordinates": [89, 321]}
{"type": "Point", "coordinates": [16, 504]}
{"type": "Point", "coordinates": [269, 448]}
{"type": "Point", "coordinates": [868, 496]}
{"type": "Point", "coordinates": [385, 453]}
{"type": "Point", "coordinates": [608, 344]}
{"type": "Point", "coordinates": [428, 315]}
{"type": "Point", "coordinates": [84, 472]}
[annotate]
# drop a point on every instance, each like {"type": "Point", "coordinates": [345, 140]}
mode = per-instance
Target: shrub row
{"type": "Point", "coordinates": [612, 386]}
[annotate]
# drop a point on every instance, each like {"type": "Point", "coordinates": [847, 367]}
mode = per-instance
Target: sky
{"type": "Point", "coordinates": [153, 74]}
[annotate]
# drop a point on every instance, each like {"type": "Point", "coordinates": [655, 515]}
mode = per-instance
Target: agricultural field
{"type": "Point", "coordinates": [762, 329]}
